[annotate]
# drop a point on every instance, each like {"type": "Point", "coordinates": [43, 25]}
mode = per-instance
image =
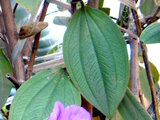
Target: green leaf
{"type": "Point", "coordinates": [151, 34]}
{"type": "Point", "coordinates": [105, 10]}
{"type": "Point", "coordinates": [117, 116]}
{"type": "Point", "coordinates": [145, 84]}
{"type": "Point", "coordinates": [131, 109]}
{"type": "Point", "coordinates": [148, 7]}
{"type": "Point", "coordinates": [36, 98]}
{"type": "Point", "coordinates": [154, 72]}
{"type": "Point", "coordinates": [30, 5]}
{"type": "Point", "coordinates": [96, 57]}
{"type": "Point", "coordinates": [101, 2]}
{"type": "Point", "coordinates": [5, 84]}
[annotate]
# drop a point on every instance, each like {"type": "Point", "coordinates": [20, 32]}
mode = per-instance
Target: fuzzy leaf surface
{"type": "Point", "coordinates": [131, 109]}
{"type": "Point", "coordinates": [35, 99]}
{"type": "Point", "coordinates": [151, 34]}
{"type": "Point", "coordinates": [96, 58]}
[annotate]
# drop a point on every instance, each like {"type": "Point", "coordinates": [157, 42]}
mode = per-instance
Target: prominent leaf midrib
{"type": "Point", "coordinates": [49, 100]}
{"type": "Point", "coordinates": [93, 46]}
{"type": "Point", "coordinates": [81, 59]}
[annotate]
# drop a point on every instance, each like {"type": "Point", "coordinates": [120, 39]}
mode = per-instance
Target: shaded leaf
{"type": "Point", "coordinates": [116, 116]}
{"type": "Point", "coordinates": [30, 5]}
{"type": "Point", "coordinates": [61, 20]}
{"type": "Point", "coordinates": [105, 10]}
{"type": "Point", "coordinates": [35, 99]}
{"type": "Point", "coordinates": [148, 7]}
{"type": "Point", "coordinates": [154, 72]}
{"type": "Point", "coordinates": [96, 57]}
{"type": "Point", "coordinates": [31, 29]}
{"type": "Point", "coordinates": [5, 84]}
{"type": "Point", "coordinates": [145, 84]}
{"type": "Point", "coordinates": [101, 2]}
{"type": "Point", "coordinates": [151, 34]}
{"type": "Point", "coordinates": [131, 109]}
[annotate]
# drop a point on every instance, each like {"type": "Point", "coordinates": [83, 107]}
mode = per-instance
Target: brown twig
{"type": "Point", "coordinates": [135, 82]}
{"type": "Point", "coordinates": [13, 80]}
{"type": "Point", "coordinates": [4, 113]}
{"type": "Point", "coordinates": [134, 68]}
{"type": "Point", "coordinates": [93, 3]}
{"type": "Point", "coordinates": [154, 16]}
{"type": "Point", "coordinates": [15, 7]}
{"type": "Point", "coordinates": [150, 79]}
{"type": "Point", "coordinates": [36, 42]}
{"type": "Point", "coordinates": [12, 38]}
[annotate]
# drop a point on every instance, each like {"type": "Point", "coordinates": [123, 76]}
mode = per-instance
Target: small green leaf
{"type": "Point", "coordinates": [101, 2]}
{"type": "Point", "coordinates": [35, 99]}
{"type": "Point", "coordinates": [96, 57]}
{"type": "Point", "coordinates": [105, 10]}
{"type": "Point", "coordinates": [131, 109]}
{"type": "Point", "coordinates": [145, 84]}
{"type": "Point", "coordinates": [151, 34]}
{"type": "Point", "coordinates": [154, 72]}
{"type": "Point", "coordinates": [148, 7]}
{"type": "Point", "coordinates": [30, 5]}
{"type": "Point", "coordinates": [5, 84]}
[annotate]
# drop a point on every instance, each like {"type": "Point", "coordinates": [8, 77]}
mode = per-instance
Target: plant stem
{"type": "Point", "coordinates": [154, 16]}
{"type": "Point", "coordinates": [4, 113]}
{"type": "Point", "coordinates": [135, 68]}
{"type": "Point", "coordinates": [93, 3]}
{"type": "Point", "coordinates": [36, 42]}
{"type": "Point", "coordinates": [12, 38]}
{"type": "Point", "coordinates": [150, 79]}
{"type": "Point", "coordinates": [87, 105]}
{"type": "Point", "coordinates": [13, 80]}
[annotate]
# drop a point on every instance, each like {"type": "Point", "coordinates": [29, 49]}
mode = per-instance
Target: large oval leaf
{"type": "Point", "coordinates": [151, 34]}
{"type": "Point", "coordinates": [96, 57]}
{"type": "Point", "coordinates": [131, 109]}
{"type": "Point", "coordinates": [5, 84]}
{"type": "Point", "coordinates": [36, 98]}
{"type": "Point", "coordinates": [30, 5]}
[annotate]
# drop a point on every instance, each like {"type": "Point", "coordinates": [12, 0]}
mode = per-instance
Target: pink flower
{"type": "Point", "coordinates": [72, 112]}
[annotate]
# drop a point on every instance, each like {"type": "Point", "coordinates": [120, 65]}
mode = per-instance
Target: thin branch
{"type": "Point", "coordinates": [128, 31]}
{"type": "Point", "coordinates": [48, 64]}
{"type": "Point", "coordinates": [36, 42]}
{"type": "Point", "coordinates": [150, 79]}
{"type": "Point", "coordinates": [61, 4]}
{"type": "Point", "coordinates": [12, 38]}
{"type": "Point", "coordinates": [93, 3]}
{"type": "Point", "coordinates": [50, 56]}
{"type": "Point", "coordinates": [4, 113]}
{"type": "Point", "coordinates": [135, 68]}
{"type": "Point", "coordinates": [15, 7]}
{"type": "Point", "coordinates": [154, 16]}
{"type": "Point", "coordinates": [13, 80]}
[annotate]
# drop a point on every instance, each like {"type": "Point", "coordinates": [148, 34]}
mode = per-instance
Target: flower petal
{"type": "Point", "coordinates": [74, 112]}
{"type": "Point", "coordinates": [57, 112]}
